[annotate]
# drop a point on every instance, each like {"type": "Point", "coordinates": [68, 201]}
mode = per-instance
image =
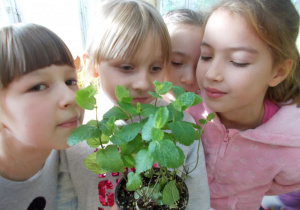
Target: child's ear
{"type": "Point", "coordinates": [92, 69]}
{"type": "Point", "coordinates": [281, 72]}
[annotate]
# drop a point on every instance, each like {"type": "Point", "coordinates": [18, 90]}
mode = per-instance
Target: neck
{"type": "Point", "coordinates": [19, 162]}
{"type": "Point", "coordinates": [243, 119]}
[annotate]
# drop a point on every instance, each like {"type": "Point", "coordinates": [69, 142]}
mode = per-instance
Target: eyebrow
{"type": "Point", "coordinates": [179, 53]}
{"type": "Point", "coordinates": [247, 49]}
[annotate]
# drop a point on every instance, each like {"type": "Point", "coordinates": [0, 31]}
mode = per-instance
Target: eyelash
{"type": "Point", "coordinates": [156, 68]}
{"type": "Point", "coordinates": [205, 58]}
{"type": "Point", "coordinates": [240, 64]}
{"type": "Point", "coordinates": [176, 63]}
{"type": "Point", "coordinates": [126, 68]}
{"type": "Point", "coordinates": [129, 68]}
{"type": "Point", "coordinates": [36, 88]}
{"type": "Point", "coordinates": [234, 63]}
{"type": "Point", "coordinates": [73, 82]}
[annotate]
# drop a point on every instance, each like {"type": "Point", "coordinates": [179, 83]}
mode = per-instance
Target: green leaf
{"type": "Point", "coordinates": [165, 153]}
{"type": "Point", "coordinates": [130, 131]}
{"type": "Point", "coordinates": [116, 112]}
{"type": "Point", "coordinates": [176, 106]}
{"type": "Point", "coordinates": [170, 193]}
{"type": "Point", "coordinates": [186, 100]}
{"type": "Point", "coordinates": [172, 111]}
{"type": "Point", "coordinates": [196, 126]}
{"type": "Point", "coordinates": [104, 138]}
{"type": "Point", "coordinates": [148, 109]}
{"type": "Point", "coordinates": [138, 107]}
{"type": "Point", "coordinates": [153, 193]}
{"type": "Point", "coordinates": [210, 116]}
{"type": "Point", "coordinates": [117, 138]}
{"type": "Point", "coordinates": [168, 135]}
{"type": "Point", "coordinates": [128, 161]}
{"type": "Point", "coordinates": [93, 142]}
{"type": "Point", "coordinates": [181, 157]}
{"type": "Point", "coordinates": [157, 134]}
{"type": "Point", "coordinates": [83, 132]}
{"type": "Point", "coordinates": [109, 159]}
{"type": "Point", "coordinates": [143, 161]}
{"type": "Point", "coordinates": [156, 193]}
{"type": "Point", "coordinates": [92, 122]}
{"type": "Point", "coordinates": [129, 108]}
{"type": "Point", "coordinates": [162, 88]}
{"type": "Point", "coordinates": [146, 131]}
{"type": "Point", "coordinates": [155, 95]}
{"type": "Point", "coordinates": [202, 121]}
{"type": "Point", "coordinates": [161, 117]}
{"type": "Point", "coordinates": [183, 132]}
{"type": "Point", "coordinates": [107, 126]}
{"type": "Point", "coordinates": [133, 146]}
{"type": "Point", "coordinates": [134, 181]}
{"type": "Point", "coordinates": [197, 100]}
{"type": "Point", "coordinates": [90, 163]}
{"type": "Point", "coordinates": [85, 97]}
{"type": "Point", "coordinates": [177, 90]}
{"type": "Point", "coordinates": [122, 94]}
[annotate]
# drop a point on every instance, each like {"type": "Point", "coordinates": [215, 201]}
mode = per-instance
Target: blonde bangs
{"type": "Point", "coordinates": [121, 29]}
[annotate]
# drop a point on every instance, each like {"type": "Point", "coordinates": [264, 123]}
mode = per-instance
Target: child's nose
{"type": "Point", "coordinates": [188, 77]}
{"type": "Point", "coordinates": [142, 82]}
{"type": "Point", "coordinates": [67, 96]}
{"type": "Point", "coordinates": [214, 71]}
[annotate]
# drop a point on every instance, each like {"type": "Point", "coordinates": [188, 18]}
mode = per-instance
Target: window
{"type": "Point", "coordinates": [69, 19]}
{"type": "Point", "coordinates": [166, 5]}
{"type": "Point", "coordinates": [62, 17]}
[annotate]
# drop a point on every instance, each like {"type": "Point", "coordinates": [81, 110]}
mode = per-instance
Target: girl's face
{"type": "Point", "coordinates": [38, 110]}
{"type": "Point", "coordinates": [185, 41]}
{"type": "Point", "coordinates": [235, 66]}
{"type": "Point", "coordinates": [137, 75]}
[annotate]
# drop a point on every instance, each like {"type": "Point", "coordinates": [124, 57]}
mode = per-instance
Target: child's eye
{"type": "Point", "coordinates": [156, 68]}
{"type": "Point", "coordinates": [205, 58]}
{"type": "Point", "coordinates": [71, 82]}
{"type": "Point", "coordinates": [176, 63]}
{"type": "Point", "coordinates": [38, 87]}
{"type": "Point", "coordinates": [240, 64]}
{"type": "Point", "coordinates": [126, 68]}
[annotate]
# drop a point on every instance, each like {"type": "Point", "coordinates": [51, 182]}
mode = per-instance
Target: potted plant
{"type": "Point", "coordinates": [151, 135]}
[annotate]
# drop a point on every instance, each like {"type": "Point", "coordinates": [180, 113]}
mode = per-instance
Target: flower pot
{"type": "Point", "coordinates": [125, 199]}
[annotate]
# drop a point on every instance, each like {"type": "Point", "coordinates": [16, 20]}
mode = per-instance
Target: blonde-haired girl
{"type": "Point", "coordinates": [129, 45]}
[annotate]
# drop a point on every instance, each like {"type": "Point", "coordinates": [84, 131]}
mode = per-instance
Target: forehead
{"type": "Point", "coordinates": [176, 28]}
{"type": "Point", "coordinates": [226, 28]}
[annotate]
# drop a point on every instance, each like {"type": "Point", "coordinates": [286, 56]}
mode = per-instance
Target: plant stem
{"type": "Point", "coordinates": [197, 151]}
{"type": "Point", "coordinates": [101, 144]}
{"type": "Point", "coordinates": [155, 183]}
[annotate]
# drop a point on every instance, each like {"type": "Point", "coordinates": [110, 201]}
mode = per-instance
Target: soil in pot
{"type": "Point", "coordinates": [125, 199]}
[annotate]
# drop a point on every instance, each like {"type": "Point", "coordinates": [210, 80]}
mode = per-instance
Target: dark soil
{"type": "Point", "coordinates": [126, 201]}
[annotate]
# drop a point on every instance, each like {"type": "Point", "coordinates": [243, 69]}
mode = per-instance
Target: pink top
{"type": "Point", "coordinates": [270, 109]}
{"type": "Point", "coordinates": [243, 166]}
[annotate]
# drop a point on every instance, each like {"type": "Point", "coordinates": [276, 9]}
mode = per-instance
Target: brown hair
{"type": "Point", "coordinates": [28, 47]}
{"type": "Point", "coordinates": [277, 24]}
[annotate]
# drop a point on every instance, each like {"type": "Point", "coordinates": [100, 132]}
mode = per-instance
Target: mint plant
{"type": "Point", "coordinates": [152, 134]}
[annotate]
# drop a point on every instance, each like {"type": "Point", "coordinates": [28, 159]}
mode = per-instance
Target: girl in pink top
{"type": "Point", "coordinates": [249, 75]}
